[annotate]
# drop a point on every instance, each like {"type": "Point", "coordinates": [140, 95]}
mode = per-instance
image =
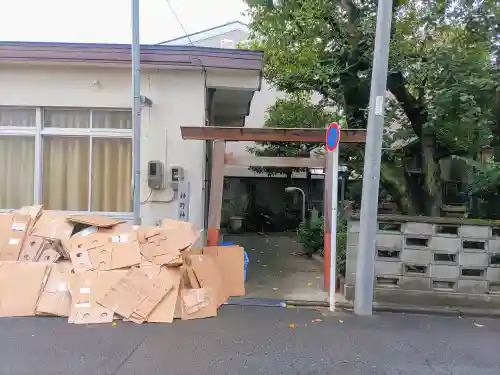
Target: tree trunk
{"type": "Point", "coordinates": [432, 176]}
{"type": "Point", "coordinates": [393, 180]}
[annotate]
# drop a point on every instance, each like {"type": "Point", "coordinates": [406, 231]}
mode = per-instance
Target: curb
{"type": "Point", "coordinates": [402, 309]}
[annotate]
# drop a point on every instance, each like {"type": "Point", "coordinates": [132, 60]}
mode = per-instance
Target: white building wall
{"type": "Point", "coordinates": [262, 100]}
{"type": "Point", "coordinates": [178, 99]}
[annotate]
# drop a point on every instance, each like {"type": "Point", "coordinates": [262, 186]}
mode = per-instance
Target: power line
{"type": "Point", "coordinates": [179, 21]}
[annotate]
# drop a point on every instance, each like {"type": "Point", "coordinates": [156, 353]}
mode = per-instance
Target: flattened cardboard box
{"type": "Point", "coordinates": [86, 288]}
{"type": "Point", "coordinates": [197, 301]}
{"type": "Point", "coordinates": [53, 226]}
{"type": "Point", "coordinates": [79, 250]}
{"type": "Point", "coordinates": [104, 252]}
{"type": "Point", "coordinates": [20, 287]}
{"type": "Point", "coordinates": [229, 260]}
{"type": "Point", "coordinates": [55, 298]}
{"type": "Point", "coordinates": [32, 247]}
{"type": "Point", "coordinates": [94, 221]}
{"type": "Point", "coordinates": [37, 249]}
{"type": "Point", "coordinates": [135, 295]}
{"type": "Point", "coordinates": [13, 232]}
{"type": "Point", "coordinates": [180, 234]}
{"type": "Point", "coordinates": [164, 312]}
{"type": "Point", "coordinates": [115, 256]}
{"type": "Point", "coordinates": [209, 278]}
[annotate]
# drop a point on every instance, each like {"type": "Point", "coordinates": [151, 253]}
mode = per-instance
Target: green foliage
{"type": "Point", "coordinates": [444, 74]}
{"type": "Point", "coordinates": [311, 236]}
{"type": "Point", "coordinates": [295, 111]}
{"type": "Point", "coordinates": [485, 177]}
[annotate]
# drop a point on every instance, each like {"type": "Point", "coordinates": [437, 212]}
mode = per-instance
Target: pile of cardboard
{"type": "Point", "coordinates": [94, 269]}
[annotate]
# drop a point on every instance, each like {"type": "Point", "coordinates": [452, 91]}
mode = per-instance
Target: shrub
{"type": "Point", "coordinates": [311, 236]}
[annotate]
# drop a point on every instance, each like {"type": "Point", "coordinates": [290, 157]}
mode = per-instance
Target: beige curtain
{"type": "Point", "coordinates": [66, 173]}
{"type": "Point", "coordinates": [106, 119]}
{"type": "Point", "coordinates": [111, 175]}
{"type": "Point", "coordinates": [17, 171]}
{"type": "Point", "coordinates": [66, 163]}
{"type": "Point", "coordinates": [66, 118]}
{"type": "Point", "coordinates": [14, 116]}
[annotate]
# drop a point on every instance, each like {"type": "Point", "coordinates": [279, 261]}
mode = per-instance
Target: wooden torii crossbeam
{"type": "Point", "coordinates": [220, 135]}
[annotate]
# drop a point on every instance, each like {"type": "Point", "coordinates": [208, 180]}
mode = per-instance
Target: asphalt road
{"type": "Point", "coordinates": [255, 340]}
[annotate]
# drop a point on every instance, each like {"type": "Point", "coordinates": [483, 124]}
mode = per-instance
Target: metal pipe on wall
{"type": "Point", "coordinates": [136, 110]}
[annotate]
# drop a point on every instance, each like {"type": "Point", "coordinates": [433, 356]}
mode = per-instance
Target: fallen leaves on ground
{"type": "Point", "coordinates": [291, 325]}
{"type": "Point", "coordinates": [309, 284]}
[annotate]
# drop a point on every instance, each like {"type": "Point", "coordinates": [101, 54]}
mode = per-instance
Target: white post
{"type": "Point", "coordinates": [333, 229]}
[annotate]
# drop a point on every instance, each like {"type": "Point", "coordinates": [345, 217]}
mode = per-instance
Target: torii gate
{"type": "Point", "coordinates": [221, 135]}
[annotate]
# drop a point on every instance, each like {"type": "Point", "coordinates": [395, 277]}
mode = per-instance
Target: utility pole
{"type": "Point", "coordinates": [371, 173]}
{"type": "Point", "coordinates": [136, 109]}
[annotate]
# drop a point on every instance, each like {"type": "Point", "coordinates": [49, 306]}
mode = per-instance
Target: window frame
{"type": "Point", "coordinates": [38, 132]}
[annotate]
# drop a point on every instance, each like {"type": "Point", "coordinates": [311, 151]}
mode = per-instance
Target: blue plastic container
{"type": "Point", "coordinates": [245, 258]}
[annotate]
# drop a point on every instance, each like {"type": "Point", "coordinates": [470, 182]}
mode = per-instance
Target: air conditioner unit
{"type": "Point", "coordinates": [227, 43]}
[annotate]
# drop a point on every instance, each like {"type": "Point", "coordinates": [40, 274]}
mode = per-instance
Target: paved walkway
{"type": "Point", "coordinates": [277, 272]}
{"type": "Point", "coordinates": [255, 340]}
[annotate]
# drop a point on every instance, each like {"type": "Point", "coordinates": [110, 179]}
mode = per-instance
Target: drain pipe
{"type": "Point", "coordinates": [136, 109]}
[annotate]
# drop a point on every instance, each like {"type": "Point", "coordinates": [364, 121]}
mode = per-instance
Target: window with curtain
{"type": "Point", "coordinates": [84, 160]}
{"type": "Point", "coordinates": [17, 156]}
{"type": "Point", "coordinates": [17, 168]}
{"type": "Point", "coordinates": [91, 172]}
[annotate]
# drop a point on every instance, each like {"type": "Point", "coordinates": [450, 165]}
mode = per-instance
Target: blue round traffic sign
{"type": "Point", "coordinates": [332, 136]}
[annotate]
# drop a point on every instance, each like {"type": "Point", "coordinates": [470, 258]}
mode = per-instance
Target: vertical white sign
{"type": "Point", "coordinates": [183, 210]}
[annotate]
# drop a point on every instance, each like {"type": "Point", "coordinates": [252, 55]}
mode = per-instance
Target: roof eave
{"type": "Point", "coordinates": [120, 54]}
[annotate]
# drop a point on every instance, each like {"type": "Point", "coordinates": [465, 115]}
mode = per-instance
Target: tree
{"type": "Point", "coordinates": [294, 111]}
{"type": "Point", "coordinates": [442, 77]}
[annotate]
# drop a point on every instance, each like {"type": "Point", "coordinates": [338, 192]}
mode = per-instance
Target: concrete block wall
{"type": "Point", "coordinates": [431, 261]}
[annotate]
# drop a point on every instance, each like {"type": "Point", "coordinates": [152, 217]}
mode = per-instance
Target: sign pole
{"type": "Point", "coordinates": [332, 142]}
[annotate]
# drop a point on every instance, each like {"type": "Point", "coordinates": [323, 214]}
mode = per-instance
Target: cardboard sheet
{"type": "Point", "coordinates": [33, 211]}
{"type": "Point", "coordinates": [208, 277]}
{"type": "Point", "coordinates": [229, 260]}
{"type": "Point", "coordinates": [31, 249]}
{"type": "Point", "coordinates": [55, 298]}
{"type": "Point", "coordinates": [135, 295]}
{"type": "Point", "coordinates": [13, 232]}
{"type": "Point", "coordinates": [52, 225]}
{"type": "Point", "coordinates": [86, 289]}
{"type": "Point", "coordinates": [164, 312]}
{"type": "Point", "coordinates": [115, 255]}
{"type": "Point", "coordinates": [198, 303]}
{"type": "Point", "coordinates": [20, 287]}
{"type": "Point", "coordinates": [95, 220]}
{"type": "Point", "coordinates": [180, 234]}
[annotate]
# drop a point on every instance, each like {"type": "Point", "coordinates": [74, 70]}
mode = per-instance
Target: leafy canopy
{"type": "Point", "coordinates": [294, 111]}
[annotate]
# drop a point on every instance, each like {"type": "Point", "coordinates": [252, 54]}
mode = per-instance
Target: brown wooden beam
{"type": "Point", "coordinates": [268, 134]}
{"type": "Point", "coordinates": [281, 162]}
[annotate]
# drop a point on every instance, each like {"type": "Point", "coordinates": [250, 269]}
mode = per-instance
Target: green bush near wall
{"type": "Point", "coordinates": [311, 236]}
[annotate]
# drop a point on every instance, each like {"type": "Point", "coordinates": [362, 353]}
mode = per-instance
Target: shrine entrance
{"type": "Point", "coordinates": [259, 248]}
